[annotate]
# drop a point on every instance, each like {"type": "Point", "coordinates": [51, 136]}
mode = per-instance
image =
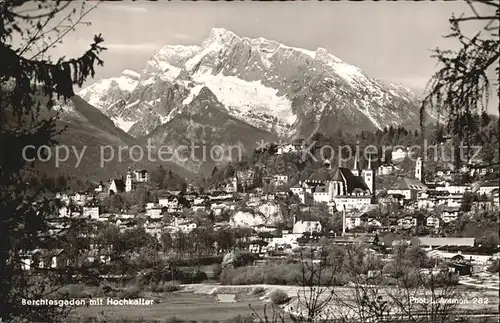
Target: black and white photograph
{"type": "Point", "coordinates": [249, 161]}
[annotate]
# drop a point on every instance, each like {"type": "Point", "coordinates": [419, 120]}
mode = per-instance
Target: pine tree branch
{"type": "Point", "coordinates": [69, 29]}
{"type": "Point", "coordinates": [42, 15]}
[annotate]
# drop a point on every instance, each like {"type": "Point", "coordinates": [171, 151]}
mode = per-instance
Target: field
{"type": "Point", "coordinates": [182, 305]}
{"type": "Point", "coordinates": [206, 302]}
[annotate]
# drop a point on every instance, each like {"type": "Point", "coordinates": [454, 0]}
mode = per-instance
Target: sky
{"type": "Point", "coordinates": [391, 41]}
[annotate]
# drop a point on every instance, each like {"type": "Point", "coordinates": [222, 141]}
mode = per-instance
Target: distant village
{"type": "Point", "coordinates": [349, 195]}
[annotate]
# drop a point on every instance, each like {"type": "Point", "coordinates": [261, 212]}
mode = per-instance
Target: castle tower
{"type": "Point", "coordinates": [368, 176]}
{"type": "Point", "coordinates": [355, 170]}
{"type": "Point", "coordinates": [128, 181]}
{"type": "Point", "coordinates": [418, 169]}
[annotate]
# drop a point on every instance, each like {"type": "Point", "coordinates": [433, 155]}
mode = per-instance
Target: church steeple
{"type": "Point", "coordinates": [418, 169]}
{"type": "Point", "coordinates": [128, 181]}
{"type": "Point", "coordinates": [355, 170]}
{"type": "Point", "coordinates": [368, 176]}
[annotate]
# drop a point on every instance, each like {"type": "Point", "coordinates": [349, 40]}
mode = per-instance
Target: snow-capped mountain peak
{"type": "Point", "coordinates": [265, 83]}
{"type": "Point", "coordinates": [129, 74]}
{"type": "Point", "coordinates": [221, 36]}
{"type": "Point", "coordinates": [107, 92]}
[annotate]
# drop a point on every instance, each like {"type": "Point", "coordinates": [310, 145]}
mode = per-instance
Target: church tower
{"type": "Point", "coordinates": [355, 170]}
{"type": "Point", "coordinates": [128, 181]}
{"type": "Point", "coordinates": [235, 184]}
{"type": "Point", "coordinates": [368, 176]}
{"type": "Point", "coordinates": [418, 169]}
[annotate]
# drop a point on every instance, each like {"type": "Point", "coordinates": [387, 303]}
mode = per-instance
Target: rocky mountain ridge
{"type": "Point", "coordinates": [231, 86]}
{"type": "Point", "coordinates": [285, 90]}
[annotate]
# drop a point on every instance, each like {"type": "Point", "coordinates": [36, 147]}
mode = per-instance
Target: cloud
{"type": "Point", "coordinates": [130, 7]}
{"type": "Point", "coordinates": [182, 36]}
{"type": "Point", "coordinates": [149, 46]}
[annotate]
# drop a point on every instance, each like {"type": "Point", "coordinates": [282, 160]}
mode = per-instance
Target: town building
{"type": "Point", "coordinates": [432, 222]}
{"type": "Point", "coordinates": [385, 169]}
{"type": "Point", "coordinates": [303, 226]}
{"type": "Point", "coordinates": [91, 212]}
{"type": "Point", "coordinates": [340, 189]}
{"type": "Point", "coordinates": [409, 188]}
{"type": "Point", "coordinates": [398, 155]}
{"type": "Point", "coordinates": [407, 222]}
{"type": "Point", "coordinates": [135, 177]}
{"type": "Point", "coordinates": [116, 185]}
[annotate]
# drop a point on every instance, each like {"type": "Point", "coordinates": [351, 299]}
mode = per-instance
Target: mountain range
{"type": "Point", "coordinates": [233, 90]}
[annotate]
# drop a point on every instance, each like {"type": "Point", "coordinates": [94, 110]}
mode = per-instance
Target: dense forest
{"type": "Point", "coordinates": [442, 152]}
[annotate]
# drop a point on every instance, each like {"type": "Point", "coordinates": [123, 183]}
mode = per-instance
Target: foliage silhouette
{"type": "Point", "coordinates": [31, 83]}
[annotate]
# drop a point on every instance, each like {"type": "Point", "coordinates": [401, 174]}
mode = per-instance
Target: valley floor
{"type": "Point", "coordinates": [182, 305]}
{"type": "Point", "coordinates": [209, 302]}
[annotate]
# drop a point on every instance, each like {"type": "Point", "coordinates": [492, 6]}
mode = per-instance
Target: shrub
{"type": "Point", "coordinates": [73, 291]}
{"type": "Point", "coordinates": [258, 290]}
{"type": "Point", "coordinates": [193, 277]}
{"type": "Point", "coordinates": [215, 270]}
{"type": "Point", "coordinates": [171, 287]}
{"type": "Point", "coordinates": [279, 297]}
{"type": "Point", "coordinates": [173, 319]}
{"type": "Point", "coordinates": [282, 274]}
{"type": "Point", "coordinates": [493, 267]}
{"type": "Point", "coordinates": [131, 292]}
{"type": "Point", "coordinates": [164, 287]}
{"type": "Point", "coordinates": [241, 319]}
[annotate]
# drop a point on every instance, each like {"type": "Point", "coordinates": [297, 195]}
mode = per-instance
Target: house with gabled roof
{"type": "Point", "coordinates": [407, 187]}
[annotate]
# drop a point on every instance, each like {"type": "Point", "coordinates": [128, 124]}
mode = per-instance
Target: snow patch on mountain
{"type": "Point", "coordinates": [193, 93]}
{"type": "Point", "coordinates": [218, 40]}
{"type": "Point", "coordinates": [97, 93]}
{"type": "Point", "coordinates": [347, 72]}
{"type": "Point", "coordinates": [162, 68]}
{"type": "Point", "coordinates": [248, 97]}
{"type": "Point", "coordinates": [213, 48]}
{"type": "Point", "coordinates": [127, 81]}
{"type": "Point", "coordinates": [351, 74]}
{"type": "Point", "coordinates": [175, 54]}
{"type": "Point", "coordinates": [306, 52]}
{"type": "Point", "coordinates": [131, 74]}
{"type": "Point", "coordinates": [170, 116]}
{"type": "Point", "coordinates": [122, 123]}
{"type": "Point", "coordinates": [369, 115]}
{"type": "Point", "coordinates": [131, 105]}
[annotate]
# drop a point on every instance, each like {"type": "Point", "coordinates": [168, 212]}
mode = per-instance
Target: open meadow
{"type": "Point", "coordinates": [207, 302]}
{"type": "Point", "coordinates": [181, 305]}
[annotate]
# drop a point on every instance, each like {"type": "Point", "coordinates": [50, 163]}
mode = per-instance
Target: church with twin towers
{"type": "Point", "coordinates": [341, 188]}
